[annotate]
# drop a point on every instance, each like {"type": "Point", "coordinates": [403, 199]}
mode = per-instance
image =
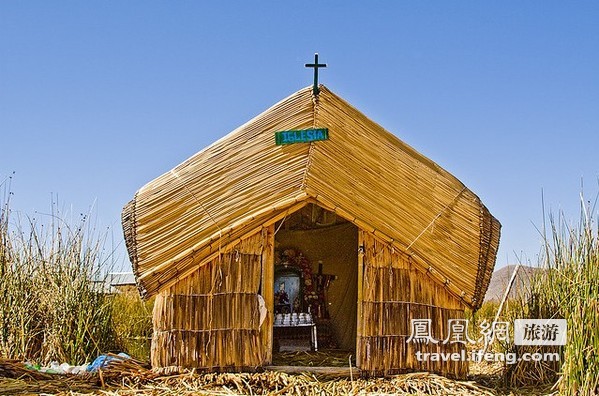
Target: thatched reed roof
{"type": "Point", "coordinates": [365, 174]}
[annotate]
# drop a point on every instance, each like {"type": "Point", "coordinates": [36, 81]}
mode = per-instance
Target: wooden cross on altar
{"type": "Point", "coordinates": [322, 283]}
{"type": "Point", "coordinates": [315, 66]}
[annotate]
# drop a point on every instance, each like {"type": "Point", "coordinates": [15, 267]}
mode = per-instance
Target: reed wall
{"type": "Point", "coordinates": [392, 293]}
{"type": "Point", "coordinates": [211, 318]}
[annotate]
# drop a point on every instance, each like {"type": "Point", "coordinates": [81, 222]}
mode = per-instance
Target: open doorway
{"type": "Point", "coordinates": [315, 281]}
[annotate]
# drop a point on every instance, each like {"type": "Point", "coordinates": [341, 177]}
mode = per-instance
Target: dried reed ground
{"type": "Point", "coordinates": [131, 378]}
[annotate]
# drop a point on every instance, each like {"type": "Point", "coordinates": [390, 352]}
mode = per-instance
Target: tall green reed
{"type": "Point", "coordinates": [568, 288]}
{"type": "Point", "coordinates": [50, 306]}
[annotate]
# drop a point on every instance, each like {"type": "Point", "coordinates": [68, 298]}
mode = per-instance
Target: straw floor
{"type": "Point", "coordinates": [133, 378]}
{"type": "Point", "coordinates": [322, 358]}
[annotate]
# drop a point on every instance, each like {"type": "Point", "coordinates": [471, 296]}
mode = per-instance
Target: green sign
{"type": "Point", "coordinates": [301, 136]}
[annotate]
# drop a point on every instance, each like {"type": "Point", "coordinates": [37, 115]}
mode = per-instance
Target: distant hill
{"type": "Point", "coordinates": [501, 278]}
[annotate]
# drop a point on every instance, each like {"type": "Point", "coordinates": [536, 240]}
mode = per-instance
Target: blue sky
{"type": "Point", "coordinates": [99, 97]}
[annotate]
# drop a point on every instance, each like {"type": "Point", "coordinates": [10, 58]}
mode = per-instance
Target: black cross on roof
{"type": "Point", "coordinates": [316, 65]}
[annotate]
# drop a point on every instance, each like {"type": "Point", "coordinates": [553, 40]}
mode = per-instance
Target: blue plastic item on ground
{"type": "Point", "coordinates": [103, 360]}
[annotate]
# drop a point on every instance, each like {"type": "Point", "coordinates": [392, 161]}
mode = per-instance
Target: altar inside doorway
{"type": "Point", "coordinates": [315, 282]}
